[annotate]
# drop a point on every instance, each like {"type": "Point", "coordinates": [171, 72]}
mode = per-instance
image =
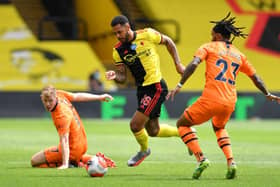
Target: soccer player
{"type": "Point", "coordinates": [223, 63]}
{"type": "Point", "coordinates": [136, 50]}
{"type": "Point", "coordinates": [72, 136]}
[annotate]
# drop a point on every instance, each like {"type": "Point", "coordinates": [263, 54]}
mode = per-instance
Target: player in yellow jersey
{"type": "Point", "coordinates": [136, 50]}
{"type": "Point", "coordinates": [223, 63]}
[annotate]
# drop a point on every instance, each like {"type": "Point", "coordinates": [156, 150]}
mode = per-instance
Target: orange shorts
{"type": "Point", "coordinates": [203, 110]}
{"type": "Point", "coordinates": [53, 155]}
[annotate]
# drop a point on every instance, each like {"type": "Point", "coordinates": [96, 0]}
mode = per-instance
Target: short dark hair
{"type": "Point", "coordinates": [121, 19]}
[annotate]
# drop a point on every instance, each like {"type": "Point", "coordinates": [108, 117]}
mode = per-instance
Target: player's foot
{"type": "Point", "coordinates": [109, 162]}
{"type": "Point", "coordinates": [231, 173]}
{"type": "Point", "coordinates": [81, 164]}
{"type": "Point", "coordinates": [138, 158]}
{"type": "Point", "coordinates": [202, 165]}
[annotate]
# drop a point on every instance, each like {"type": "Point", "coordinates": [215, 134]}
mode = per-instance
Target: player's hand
{"type": "Point", "coordinates": [63, 167]}
{"type": "Point", "coordinates": [180, 68]}
{"type": "Point", "coordinates": [106, 98]}
{"type": "Point", "coordinates": [110, 75]}
{"type": "Point", "coordinates": [172, 93]}
{"type": "Point", "coordinates": [273, 98]}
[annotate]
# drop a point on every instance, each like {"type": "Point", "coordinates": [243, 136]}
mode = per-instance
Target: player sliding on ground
{"type": "Point", "coordinates": [72, 136]}
{"type": "Point", "coordinates": [223, 63]}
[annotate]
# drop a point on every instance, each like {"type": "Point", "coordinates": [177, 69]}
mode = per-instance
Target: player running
{"type": "Point", "coordinates": [72, 136]}
{"type": "Point", "coordinates": [223, 63]}
{"type": "Point", "coordinates": [136, 50]}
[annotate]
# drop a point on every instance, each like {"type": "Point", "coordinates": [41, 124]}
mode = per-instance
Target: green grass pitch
{"type": "Point", "coordinates": [256, 147]}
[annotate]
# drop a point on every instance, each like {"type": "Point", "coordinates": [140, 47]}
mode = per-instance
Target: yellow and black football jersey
{"type": "Point", "coordinates": [140, 56]}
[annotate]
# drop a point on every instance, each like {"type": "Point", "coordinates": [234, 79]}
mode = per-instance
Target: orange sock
{"type": "Point", "coordinates": [224, 143]}
{"type": "Point", "coordinates": [190, 139]}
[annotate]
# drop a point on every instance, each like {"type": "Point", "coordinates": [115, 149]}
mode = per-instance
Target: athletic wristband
{"type": "Point", "coordinates": [179, 85]}
{"type": "Point", "coordinates": [269, 94]}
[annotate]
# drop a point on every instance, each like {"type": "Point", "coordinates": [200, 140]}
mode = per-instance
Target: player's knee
{"type": "Point", "coordinates": [183, 122]}
{"type": "Point", "coordinates": [33, 162]}
{"type": "Point", "coordinates": [152, 132]}
{"type": "Point", "coordinates": [134, 127]}
{"type": "Point", "coordinates": [179, 123]}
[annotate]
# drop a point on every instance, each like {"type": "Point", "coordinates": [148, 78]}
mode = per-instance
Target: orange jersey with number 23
{"type": "Point", "coordinates": [223, 63]}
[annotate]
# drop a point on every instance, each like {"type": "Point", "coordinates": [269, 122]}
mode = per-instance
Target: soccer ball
{"type": "Point", "coordinates": [97, 166]}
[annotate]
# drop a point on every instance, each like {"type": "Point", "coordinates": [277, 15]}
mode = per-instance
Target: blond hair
{"type": "Point", "coordinates": [48, 91]}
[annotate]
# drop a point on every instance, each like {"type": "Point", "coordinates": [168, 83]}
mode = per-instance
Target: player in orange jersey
{"type": "Point", "coordinates": [73, 142]}
{"type": "Point", "coordinates": [223, 63]}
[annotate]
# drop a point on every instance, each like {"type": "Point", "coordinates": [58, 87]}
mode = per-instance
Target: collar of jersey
{"type": "Point", "coordinates": [55, 106]}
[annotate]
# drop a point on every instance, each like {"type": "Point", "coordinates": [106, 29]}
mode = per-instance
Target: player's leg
{"type": "Point", "coordinates": [148, 97]}
{"type": "Point", "coordinates": [50, 157]}
{"type": "Point", "coordinates": [223, 139]}
{"type": "Point", "coordinates": [85, 158]}
{"type": "Point", "coordinates": [163, 130]}
{"type": "Point", "coordinates": [38, 159]}
{"type": "Point", "coordinates": [190, 139]}
{"type": "Point", "coordinates": [196, 114]}
{"type": "Point", "coordinates": [137, 124]}
{"type": "Point", "coordinates": [77, 157]}
{"type": "Point", "coordinates": [153, 109]}
{"type": "Point", "coordinates": [224, 143]}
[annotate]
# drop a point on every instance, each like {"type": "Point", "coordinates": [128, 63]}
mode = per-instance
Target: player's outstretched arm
{"type": "Point", "coordinates": [172, 49]}
{"type": "Point", "coordinates": [82, 97]}
{"type": "Point", "coordinates": [261, 86]}
{"type": "Point", "coordinates": [186, 75]}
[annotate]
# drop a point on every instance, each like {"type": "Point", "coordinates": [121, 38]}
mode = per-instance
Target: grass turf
{"type": "Point", "coordinates": [256, 147]}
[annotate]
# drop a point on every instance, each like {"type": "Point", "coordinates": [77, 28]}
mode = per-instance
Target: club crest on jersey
{"type": "Point", "coordinates": [133, 46]}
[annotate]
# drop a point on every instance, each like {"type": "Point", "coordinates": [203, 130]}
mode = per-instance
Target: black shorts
{"type": "Point", "coordinates": [151, 97]}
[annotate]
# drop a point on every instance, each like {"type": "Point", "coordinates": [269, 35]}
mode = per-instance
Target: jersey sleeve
{"type": "Point", "coordinates": [202, 52]}
{"type": "Point", "coordinates": [154, 35]}
{"type": "Point", "coordinates": [116, 57]}
{"type": "Point", "coordinates": [247, 67]}
{"type": "Point", "coordinates": [68, 95]}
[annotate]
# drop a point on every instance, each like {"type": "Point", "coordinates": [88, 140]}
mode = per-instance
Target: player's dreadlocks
{"type": "Point", "coordinates": [225, 27]}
